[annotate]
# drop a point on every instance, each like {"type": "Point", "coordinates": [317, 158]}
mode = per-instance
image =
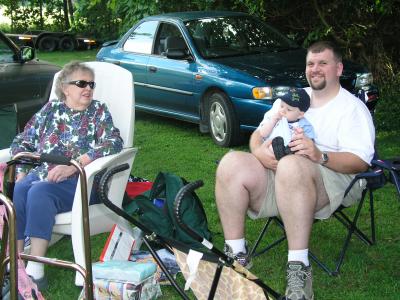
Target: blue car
{"type": "Point", "coordinates": [221, 70]}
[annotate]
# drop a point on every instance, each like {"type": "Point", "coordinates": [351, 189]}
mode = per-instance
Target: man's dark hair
{"type": "Point", "coordinates": [320, 46]}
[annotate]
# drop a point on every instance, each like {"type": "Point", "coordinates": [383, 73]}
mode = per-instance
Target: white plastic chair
{"type": "Point", "coordinates": [114, 86]}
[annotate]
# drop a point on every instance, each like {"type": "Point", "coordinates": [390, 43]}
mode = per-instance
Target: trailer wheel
{"type": "Point", "coordinates": [48, 43]}
{"type": "Point", "coordinates": [67, 43]}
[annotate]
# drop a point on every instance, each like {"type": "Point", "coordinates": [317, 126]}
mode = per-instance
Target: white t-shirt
{"type": "Point", "coordinates": [344, 124]}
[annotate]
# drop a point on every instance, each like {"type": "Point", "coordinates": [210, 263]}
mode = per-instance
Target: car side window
{"type": "Point", "coordinates": [141, 39]}
{"type": "Point", "coordinates": [169, 36]}
{"type": "Point", "coordinates": [6, 54]}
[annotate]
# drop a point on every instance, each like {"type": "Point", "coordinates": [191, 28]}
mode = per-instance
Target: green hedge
{"type": "Point", "coordinates": [388, 108]}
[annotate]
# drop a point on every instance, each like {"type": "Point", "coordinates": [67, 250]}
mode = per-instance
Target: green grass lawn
{"type": "Point", "coordinates": [369, 272]}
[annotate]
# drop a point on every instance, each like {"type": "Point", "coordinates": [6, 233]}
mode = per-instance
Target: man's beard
{"type": "Point", "coordinates": [319, 86]}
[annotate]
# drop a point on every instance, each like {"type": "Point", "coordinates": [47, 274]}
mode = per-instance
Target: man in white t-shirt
{"type": "Point", "coordinates": [306, 185]}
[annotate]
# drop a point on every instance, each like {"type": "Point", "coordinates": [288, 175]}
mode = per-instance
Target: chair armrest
{"type": "Point", "coordinates": [392, 167]}
{"type": "Point", "coordinates": [126, 155]}
{"type": "Point", "coordinates": [375, 179]}
{"type": "Point", "coordinates": [388, 164]}
{"type": "Point", "coordinates": [104, 162]}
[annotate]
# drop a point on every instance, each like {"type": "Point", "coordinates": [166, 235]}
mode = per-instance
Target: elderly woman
{"type": "Point", "coordinates": [74, 126]}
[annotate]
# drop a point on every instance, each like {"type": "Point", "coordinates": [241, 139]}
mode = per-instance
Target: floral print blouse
{"type": "Point", "coordinates": [59, 130]}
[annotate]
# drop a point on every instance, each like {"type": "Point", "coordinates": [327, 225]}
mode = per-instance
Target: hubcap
{"type": "Point", "coordinates": [218, 121]}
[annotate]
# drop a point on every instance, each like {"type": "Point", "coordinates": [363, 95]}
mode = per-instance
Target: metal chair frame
{"type": "Point", "coordinates": [9, 230]}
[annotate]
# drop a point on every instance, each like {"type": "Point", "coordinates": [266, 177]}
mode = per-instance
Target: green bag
{"type": "Point", "coordinates": [154, 209]}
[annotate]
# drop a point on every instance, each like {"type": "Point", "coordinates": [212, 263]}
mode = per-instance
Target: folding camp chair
{"type": "Point", "coordinates": [381, 172]}
{"type": "Point", "coordinates": [214, 261]}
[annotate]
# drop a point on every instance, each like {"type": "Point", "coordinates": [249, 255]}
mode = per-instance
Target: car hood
{"type": "Point", "coordinates": [280, 68]}
{"type": "Point", "coordinates": [44, 63]}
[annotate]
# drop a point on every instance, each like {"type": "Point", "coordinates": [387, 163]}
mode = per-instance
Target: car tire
{"type": "Point", "coordinates": [67, 43]}
{"type": "Point", "coordinates": [222, 120]}
{"type": "Point", "coordinates": [48, 44]}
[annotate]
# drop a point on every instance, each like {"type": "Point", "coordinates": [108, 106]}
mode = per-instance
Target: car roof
{"type": "Point", "coordinates": [194, 15]}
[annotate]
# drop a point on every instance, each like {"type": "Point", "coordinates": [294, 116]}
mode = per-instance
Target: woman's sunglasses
{"type": "Point", "coordinates": [83, 83]}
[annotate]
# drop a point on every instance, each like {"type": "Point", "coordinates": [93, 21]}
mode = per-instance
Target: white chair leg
{"type": "Point", "coordinates": [55, 237]}
{"type": "Point", "coordinates": [79, 254]}
{"type": "Point", "coordinates": [79, 279]}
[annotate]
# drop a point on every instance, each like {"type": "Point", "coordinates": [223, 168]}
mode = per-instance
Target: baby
{"type": "Point", "coordinates": [280, 121]}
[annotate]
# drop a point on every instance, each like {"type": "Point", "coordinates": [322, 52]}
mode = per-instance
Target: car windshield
{"type": "Point", "coordinates": [235, 36]}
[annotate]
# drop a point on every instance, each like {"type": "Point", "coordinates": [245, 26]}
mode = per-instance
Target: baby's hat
{"type": "Point", "coordinates": [297, 97]}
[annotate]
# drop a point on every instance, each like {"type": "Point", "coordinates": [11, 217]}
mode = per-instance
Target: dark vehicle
{"type": "Point", "coordinates": [51, 41]}
{"type": "Point", "coordinates": [25, 85]}
{"type": "Point", "coordinates": [222, 70]}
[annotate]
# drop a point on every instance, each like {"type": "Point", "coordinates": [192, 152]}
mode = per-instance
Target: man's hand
{"type": "Point", "coordinates": [302, 145]}
{"type": "Point", "coordinates": [261, 150]}
{"type": "Point", "coordinates": [267, 156]}
{"type": "Point", "coordinates": [60, 173]}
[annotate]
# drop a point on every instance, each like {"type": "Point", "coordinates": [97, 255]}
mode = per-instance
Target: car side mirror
{"type": "Point", "coordinates": [26, 53]}
{"type": "Point", "coordinates": [178, 54]}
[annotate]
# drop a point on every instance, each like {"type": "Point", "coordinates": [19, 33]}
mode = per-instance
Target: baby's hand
{"type": "Point", "coordinates": [276, 116]}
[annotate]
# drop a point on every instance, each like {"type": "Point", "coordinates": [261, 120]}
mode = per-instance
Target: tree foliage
{"type": "Point", "coordinates": [365, 29]}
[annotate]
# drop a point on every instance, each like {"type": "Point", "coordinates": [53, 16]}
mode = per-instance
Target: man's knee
{"type": "Point", "coordinates": [293, 167]}
{"type": "Point", "coordinates": [229, 161]}
{"type": "Point", "coordinates": [238, 162]}
{"type": "Point", "coordinates": [230, 165]}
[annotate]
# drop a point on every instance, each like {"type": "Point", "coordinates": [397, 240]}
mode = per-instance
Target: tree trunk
{"type": "Point", "coordinates": [66, 17]}
{"type": "Point", "coordinates": [41, 14]}
{"type": "Point", "coordinates": [71, 10]}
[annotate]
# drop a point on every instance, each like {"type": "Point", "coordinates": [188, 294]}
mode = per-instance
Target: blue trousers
{"type": "Point", "coordinates": [38, 202]}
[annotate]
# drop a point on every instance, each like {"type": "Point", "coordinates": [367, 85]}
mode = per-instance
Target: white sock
{"type": "Point", "coordinates": [299, 255]}
{"type": "Point", "coordinates": [237, 246]}
{"type": "Point", "coordinates": [35, 269]}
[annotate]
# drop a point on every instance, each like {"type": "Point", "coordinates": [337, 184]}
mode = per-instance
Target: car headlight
{"type": "Point", "coordinates": [262, 93]}
{"type": "Point", "coordinates": [269, 92]}
{"type": "Point", "coordinates": [363, 79]}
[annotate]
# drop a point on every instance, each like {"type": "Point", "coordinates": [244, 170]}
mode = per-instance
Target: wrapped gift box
{"type": "Point", "coordinates": [124, 280]}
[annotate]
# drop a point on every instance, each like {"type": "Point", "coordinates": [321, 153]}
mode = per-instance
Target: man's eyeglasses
{"type": "Point", "coordinates": [82, 83]}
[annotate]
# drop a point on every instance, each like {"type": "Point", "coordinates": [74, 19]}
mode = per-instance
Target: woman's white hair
{"type": "Point", "coordinates": [66, 73]}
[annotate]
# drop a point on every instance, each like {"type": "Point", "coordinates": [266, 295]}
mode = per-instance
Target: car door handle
{"type": "Point", "coordinates": [152, 69]}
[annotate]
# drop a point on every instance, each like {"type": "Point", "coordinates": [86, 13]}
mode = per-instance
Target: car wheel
{"type": "Point", "coordinates": [67, 43]}
{"type": "Point", "coordinates": [223, 124]}
{"type": "Point", "coordinates": [48, 43]}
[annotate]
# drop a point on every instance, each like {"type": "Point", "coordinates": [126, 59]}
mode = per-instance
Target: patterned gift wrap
{"type": "Point", "coordinates": [105, 289]}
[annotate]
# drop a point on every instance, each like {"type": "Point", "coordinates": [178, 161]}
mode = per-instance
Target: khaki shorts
{"type": "Point", "coordinates": [335, 184]}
